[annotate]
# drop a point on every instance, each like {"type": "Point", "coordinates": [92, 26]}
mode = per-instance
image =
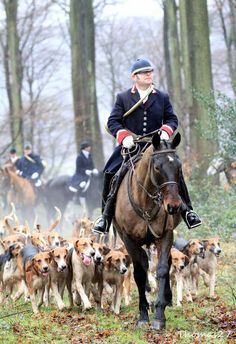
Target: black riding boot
{"type": "Point", "coordinates": [189, 216]}
{"type": "Point", "coordinates": [102, 224]}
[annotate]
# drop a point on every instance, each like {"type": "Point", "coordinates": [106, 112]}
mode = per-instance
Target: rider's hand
{"type": "Point", "coordinates": [164, 135]}
{"type": "Point", "coordinates": [95, 172]}
{"type": "Point", "coordinates": [35, 175]}
{"type": "Point", "coordinates": [88, 172]}
{"type": "Point", "coordinates": [128, 142]}
{"type": "Point", "coordinates": [82, 184]}
{"type": "Point", "coordinates": [19, 172]}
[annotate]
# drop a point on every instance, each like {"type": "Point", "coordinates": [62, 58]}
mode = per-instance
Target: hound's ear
{"type": "Point", "coordinates": [50, 256]}
{"type": "Point", "coordinates": [205, 243]}
{"type": "Point", "coordinates": [108, 260]}
{"type": "Point", "coordinates": [93, 237]}
{"type": "Point", "coordinates": [30, 266]}
{"type": "Point", "coordinates": [156, 140]}
{"type": "Point", "coordinates": [106, 250]}
{"type": "Point", "coordinates": [176, 141]}
{"type": "Point", "coordinates": [128, 259]}
{"type": "Point", "coordinates": [186, 260]}
{"type": "Point", "coordinates": [75, 245]}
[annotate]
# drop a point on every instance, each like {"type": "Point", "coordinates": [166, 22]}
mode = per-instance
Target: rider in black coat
{"type": "Point", "coordinates": [30, 166]}
{"type": "Point", "coordinates": [84, 169]}
{"type": "Point", "coordinates": [154, 112]}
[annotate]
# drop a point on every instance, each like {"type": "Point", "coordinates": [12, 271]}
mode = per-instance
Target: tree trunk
{"type": "Point", "coordinates": [83, 76]}
{"type": "Point", "coordinates": [172, 56]}
{"type": "Point", "coordinates": [228, 24]}
{"type": "Point", "coordinates": [13, 72]}
{"type": "Point", "coordinates": [187, 82]}
{"type": "Point", "coordinates": [199, 62]}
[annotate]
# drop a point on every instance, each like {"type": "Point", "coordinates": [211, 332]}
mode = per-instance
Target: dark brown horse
{"type": "Point", "coordinates": [147, 211]}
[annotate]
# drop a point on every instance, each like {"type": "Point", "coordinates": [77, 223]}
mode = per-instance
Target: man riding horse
{"type": "Point", "coordinates": [139, 111]}
{"type": "Point", "coordinates": [30, 166]}
{"type": "Point", "coordinates": [85, 170]}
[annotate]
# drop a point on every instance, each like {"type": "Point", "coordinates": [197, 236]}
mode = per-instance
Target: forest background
{"type": "Point", "coordinates": [63, 62]}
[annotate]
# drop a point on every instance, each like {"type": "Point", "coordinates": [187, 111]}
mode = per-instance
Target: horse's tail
{"type": "Point", "coordinates": [57, 221]}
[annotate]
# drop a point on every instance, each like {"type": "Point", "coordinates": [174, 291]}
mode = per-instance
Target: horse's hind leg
{"type": "Point", "coordinates": [140, 263]}
{"type": "Point", "coordinates": [164, 294]}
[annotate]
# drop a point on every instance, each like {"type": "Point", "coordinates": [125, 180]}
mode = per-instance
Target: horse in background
{"type": "Point", "coordinates": [57, 193]}
{"type": "Point", "coordinates": [147, 211]}
{"type": "Point", "coordinates": [17, 190]}
{"type": "Point", "coordinates": [218, 165]}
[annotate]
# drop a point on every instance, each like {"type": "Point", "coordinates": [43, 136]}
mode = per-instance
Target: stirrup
{"type": "Point", "coordinates": [196, 224]}
{"type": "Point", "coordinates": [100, 228]}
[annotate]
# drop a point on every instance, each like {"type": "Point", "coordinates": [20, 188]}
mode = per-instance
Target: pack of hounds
{"type": "Point", "coordinates": [40, 264]}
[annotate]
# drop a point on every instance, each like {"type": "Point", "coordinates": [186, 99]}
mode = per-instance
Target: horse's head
{"type": "Point", "coordinates": [217, 165]}
{"type": "Point", "coordinates": [166, 172]}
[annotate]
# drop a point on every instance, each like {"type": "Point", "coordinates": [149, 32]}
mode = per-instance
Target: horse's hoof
{"type": "Point", "coordinates": [142, 323]}
{"type": "Point", "coordinates": [158, 324]}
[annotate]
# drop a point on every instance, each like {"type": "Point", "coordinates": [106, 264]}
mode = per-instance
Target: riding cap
{"type": "Point", "coordinates": [141, 65]}
{"type": "Point", "coordinates": [28, 146]}
{"type": "Point", "coordinates": [12, 151]}
{"type": "Point", "coordinates": [84, 145]}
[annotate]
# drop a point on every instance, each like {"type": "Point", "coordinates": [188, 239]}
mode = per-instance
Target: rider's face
{"type": "Point", "coordinates": [27, 151]}
{"type": "Point", "coordinates": [143, 79]}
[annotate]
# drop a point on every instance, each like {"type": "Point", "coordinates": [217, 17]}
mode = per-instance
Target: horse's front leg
{"type": "Point", "coordinates": [140, 263]}
{"type": "Point", "coordinates": [164, 293]}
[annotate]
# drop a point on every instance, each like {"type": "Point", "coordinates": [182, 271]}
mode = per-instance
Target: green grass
{"type": "Point", "coordinates": [203, 321]}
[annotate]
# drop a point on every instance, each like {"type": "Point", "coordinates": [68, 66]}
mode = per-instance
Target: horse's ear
{"type": "Point", "coordinates": [176, 140]}
{"type": "Point", "coordinates": [156, 140]}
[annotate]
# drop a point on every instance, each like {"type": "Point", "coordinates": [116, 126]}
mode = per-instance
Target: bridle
{"type": "Point", "coordinates": [157, 197]}
{"type": "Point", "coordinates": [163, 185]}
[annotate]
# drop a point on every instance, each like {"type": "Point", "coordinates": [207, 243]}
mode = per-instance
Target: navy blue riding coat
{"type": "Point", "coordinates": [82, 164]}
{"type": "Point", "coordinates": [28, 166]}
{"type": "Point", "coordinates": [149, 116]}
